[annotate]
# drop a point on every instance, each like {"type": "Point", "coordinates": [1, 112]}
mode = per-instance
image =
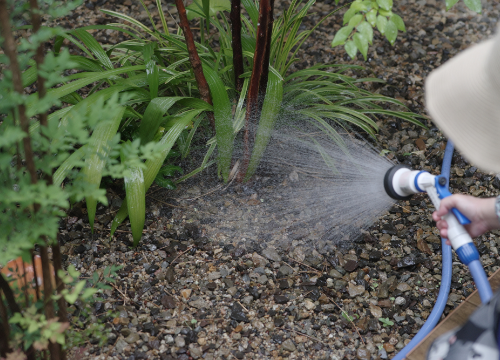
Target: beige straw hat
{"type": "Point", "coordinates": [463, 99]}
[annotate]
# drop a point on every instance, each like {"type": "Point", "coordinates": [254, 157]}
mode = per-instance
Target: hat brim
{"type": "Point", "coordinates": [464, 102]}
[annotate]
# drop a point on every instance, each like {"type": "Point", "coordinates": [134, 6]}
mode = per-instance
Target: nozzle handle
{"type": "Point", "coordinates": [442, 190]}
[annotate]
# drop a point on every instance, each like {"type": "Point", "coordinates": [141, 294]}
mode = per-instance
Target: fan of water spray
{"type": "Point", "coordinates": [330, 184]}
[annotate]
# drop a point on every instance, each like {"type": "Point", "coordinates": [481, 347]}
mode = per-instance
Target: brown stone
{"type": "Point", "coordinates": [422, 246]}
{"type": "Point", "coordinates": [420, 144]}
{"type": "Point", "coordinates": [389, 347]}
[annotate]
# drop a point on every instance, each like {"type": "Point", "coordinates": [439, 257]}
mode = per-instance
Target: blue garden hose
{"type": "Point", "coordinates": [446, 273]}
{"type": "Point", "coordinates": [468, 255]}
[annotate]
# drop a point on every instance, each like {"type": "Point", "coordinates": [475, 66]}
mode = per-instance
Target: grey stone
{"type": "Point", "coordinates": [335, 274]}
{"type": "Point", "coordinates": [232, 290]}
{"type": "Point", "coordinates": [179, 341]}
{"type": "Point", "coordinates": [355, 290]}
{"type": "Point", "coordinates": [288, 345]}
{"type": "Point", "coordinates": [214, 275]}
{"type": "Point", "coordinates": [199, 304]}
{"type": "Point", "coordinates": [400, 300]}
{"type": "Point", "coordinates": [285, 270]}
{"type": "Point", "coordinates": [132, 338]}
{"type": "Point", "coordinates": [195, 351]}
{"type": "Point", "coordinates": [247, 300]}
{"type": "Point", "coordinates": [271, 254]}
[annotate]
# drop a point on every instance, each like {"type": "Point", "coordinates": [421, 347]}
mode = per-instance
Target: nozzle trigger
{"type": "Point", "coordinates": [443, 192]}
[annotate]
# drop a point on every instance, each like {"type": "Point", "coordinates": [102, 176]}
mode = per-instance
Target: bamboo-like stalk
{"type": "Point", "coordinates": [236, 43]}
{"type": "Point", "coordinates": [11, 52]}
{"type": "Point", "coordinates": [4, 329]}
{"type": "Point", "coordinates": [265, 70]}
{"type": "Point", "coordinates": [54, 348]}
{"type": "Point", "coordinates": [253, 108]}
{"type": "Point", "coordinates": [194, 59]}
{"type": "Point", "coordinates": [62, 313]}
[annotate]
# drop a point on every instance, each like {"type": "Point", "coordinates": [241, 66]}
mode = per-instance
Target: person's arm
{"type": "Point", "coordinates": [481, 212]}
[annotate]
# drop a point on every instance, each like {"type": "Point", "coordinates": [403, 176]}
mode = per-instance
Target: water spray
{"type": "Point", "coordinates": [400, 183]}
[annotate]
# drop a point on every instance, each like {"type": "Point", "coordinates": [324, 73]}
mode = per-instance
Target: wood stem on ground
{"type": "Point", "coordinates": [194, 59]}
{"type": "Point", "coordinates": [236, 43]}
{"type": "Point", "coordinates": [252, 114]}
{"type": "Point", "coordinates": [4, 329]}
{"type": "Point", "coordinates": [62, 313]}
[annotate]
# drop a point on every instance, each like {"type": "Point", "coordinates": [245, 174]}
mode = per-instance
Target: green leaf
{"type": "Point", "coordinates": [153, 116]}
{"type": "Point", "coordinates": [252, 11]}
{"type": "Point", "coordinates": [93, 46]}
{"type": "Point", "coordinates": [165, 183]}
{"type": "Point", "coordinates": [355, 20]}
{"type": "Point", "coordinates": [67, 165]}
{"type": "Point", "coordinates": [341, 35]}
{"type": "Point", "coordinates": [136, 202]}
{"type": "Point", "coordinates": [361, 43]}
{"type": "Point", "coordinates": [396, 19]}
{"type": "Point", "coordinates": [170, 170]}
{"type": "Point", "coordinates": [367, 31]}
{"type": "Point", "coordinates": [196, 10]}
{"type": "Point", "coordinates": [94, 164]}
{"type": "Point", "coordinates": [474, 5]}
{"type": "Point", "coordinates": [381, 24]}
{"type": "Point", "coordinates": [223, 120]}
{"type": "Point", "coordinates": [385, 13]}
{"type": "Point", "coordinates": [351, 49]}
{"type": "Point", "coordinates": [385, 4]}
{"type": "Point", "coordinates": [391, 32]}
{"type": "Point", "coordinates": [371, 17]}
{"type": "Point", "coordinates": [120, 216]}
{"type": "Point", "coordinates": [450, 3]}
{"type": "Point", "coordinates": [348, 15]}
{"type": "Point", "coordinates": [270, 110]}
{"type": "Point", "coordinates": [359, 6]}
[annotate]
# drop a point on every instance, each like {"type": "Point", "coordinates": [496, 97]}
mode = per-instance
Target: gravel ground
{"type": "Point", "coordinates": [203, 284]}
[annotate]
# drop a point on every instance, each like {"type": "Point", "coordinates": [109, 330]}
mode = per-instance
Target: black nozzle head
{"type": "Point", "coordinates": [388, 184]}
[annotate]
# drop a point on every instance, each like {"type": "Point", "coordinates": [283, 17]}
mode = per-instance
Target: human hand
{"type": "Point", "coordinates": [481, 213]}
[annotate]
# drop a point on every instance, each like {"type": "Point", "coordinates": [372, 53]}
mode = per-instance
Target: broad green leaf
{"type": "Point", "coordinates": [153, 116]}
{"type": "Point", "coordinates": [359, 6]}
{"type": "Point", "coordinates": [223, 120]}
{"type": "Point", "coordinates": [355, 20]}
{"type": "Point", "coordinates": [385, 4]}
{"type": "Point", "coordinates": [93, 46]}
{"type": "Point", "coordinates": [270, 110]}
{"type": "Point", "coordinates": [367, 31]}
{"type": "Point", "coordinates": [98, 145]}
{"type": "Point", "coordinates": [348, 15]}
{"type": "Point", "coordinates": [396, 19]}
{"type": "Point", "coordinates": [474, 5]}
{"type": "Point", "coordinates": [450, 3]}
{"type": "Point", "coordinates": [252, 11]}
{"type": "Point", "coordinates": [30, 75]}
{"type": "Point", "coordinates": [361, 43]}
{"type": "Point", "coordinates": [68, 164]}
{"type": "Point", "coordinates": [371, 17]}
{"type": "Point", "coordinates": [78, 84]}
{"type": "Point", "coordinates": [165, 183]}
{"type": "Point", "coordinates": [381, 24]}
{"type": "Point", "coordinates": [196, 10]}
{"type": "Point", "coordinates": [168, 170]}
{"type": "Point", "coordinates": [341, 35]}
{"type": "Point", "coordinates": [136, 202]}
{"type": "Point", "coordinates": [154, 165]}
{"type": "Point", "coordinates": [385, 12]}
{"type": "Point", "coordinates": [391, 32]}
{"type": "Point", "coordinates": [351, 49]}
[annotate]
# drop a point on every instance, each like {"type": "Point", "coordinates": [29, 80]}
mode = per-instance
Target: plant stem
{"type": "Point", "coordinates": [54, 348]}
{"type": "Point", "coordinates": [9, 296]}
{"type": "Point", "coordinates": [62, 313]}
{"type": "Point", "coordinates": [11, 52]}
{"type": "Point", "coordinates": [194, 59]}
{"type": "Point", "coordinates": [253, 108]}
{"type": "Point", "coordinates": [236, 43]}
{"type": "Point", "coordinates": [265, 70]}
{"type": "Point", "coordinates": [4, 329]}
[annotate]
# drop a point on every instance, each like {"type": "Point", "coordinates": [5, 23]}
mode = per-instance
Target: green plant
{"type": "Point", "coordinates": [34, 156]}
{"type": "Point", "coordinates": [386, 321]}
{"type": "Point", "coordinates": [364, 16]}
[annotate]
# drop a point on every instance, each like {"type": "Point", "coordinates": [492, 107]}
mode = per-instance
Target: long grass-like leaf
{"type": "Point", "coordinates": [153, 166]}
{"type": "Point", "coordinates": [136, 202]}
{"type": "Point", "coordinates": [252, 11]}
{"type": "Point", "coordinates": [153, 116]}
{"type": "Point", "coordinates": [223, 120]}
{"type": "Point", "coordinates": [67, 165]}
{"type": "Point", "coordinates": [93, 46]}
{"type": "Point", "coordinates": [270, 110]}
{"type": "Point", "coordinates": [94, 164]}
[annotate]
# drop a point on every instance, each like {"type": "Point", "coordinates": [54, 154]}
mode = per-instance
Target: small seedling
{"type": "Point", "coordinates": [392, 298]}
{"type": "Point", "coordinates": [347, 317]}
{"type": "Point", "coordinates": [386, 322]}
{"type": "Point", "coordinates": [374, 286]}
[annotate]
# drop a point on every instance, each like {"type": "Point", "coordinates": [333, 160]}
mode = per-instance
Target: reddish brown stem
{"type": "Point", "coordinates": [253, 108]}
{"type": "Point", "coordinates": [4, 329]}
{"type": "Point", "coordinates": [54, 348]}
{"type": "Point", "coordinates": [236, 43]}
{"type": "Point", "coordinates": [35, 275]}
{"type": "Point", "coordinates": [62, 313]}
{"type": "Point", "coordinates": [39, 56]}
{"type": "Point", "coordinates": [194, 59]}
{"type": "Point", "coordinates": [11, 52]}
{"type": "Point", "coordinates": [265, 70]}
{"type": "Point", "coordinates": [9, 295]}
